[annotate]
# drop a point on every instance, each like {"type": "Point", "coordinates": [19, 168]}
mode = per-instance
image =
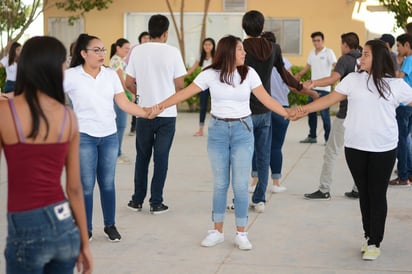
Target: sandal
{"type": "Point", "coordinates": [198, 133]}
{"type": "Point", "coordinates": [399, 182]}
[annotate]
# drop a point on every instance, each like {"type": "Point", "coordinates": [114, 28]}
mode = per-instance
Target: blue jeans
{"type": "Point", "coordinates": [404, 154]}
{"type": "Point", "coordinates": [38, 242]}
{"type": "Point", "coordinates": [121, 120]}
{"type": "Point", "coordinates": [152, 135]}
{"type": "Point", "coordinates": [279, 128]}
{"type": "Point", "coordinates": [262, 133]}
{"type": "Point", "coordinates": [204, 100]}
{"type": "Point", "coordinates": [313, 118]}
{"type": "Point", "coordinates": [230, 149]}
{"type": "Point", "coordinates": [9, 86]}
{"type": "Point", "coordinates": [98, 157]}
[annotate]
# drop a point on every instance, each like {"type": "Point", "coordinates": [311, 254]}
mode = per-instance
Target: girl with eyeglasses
{"type": "Point", "coordinates": [92, 87]}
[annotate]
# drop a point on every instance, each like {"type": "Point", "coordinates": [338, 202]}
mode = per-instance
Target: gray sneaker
{"type": "Point", "coordinates": [317, 195]}
{"type": "Point", "coordinates": [309, 140]}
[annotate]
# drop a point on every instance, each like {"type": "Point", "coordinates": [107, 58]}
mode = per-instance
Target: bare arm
{"type": "Point", "coordinates": [180, 82]}
{"type": "Point", "coordinates": [268, 101]}
{"type": "Point", "coordinates": [326, 81]}
{"type": "Point", "coordinates": [324, 102]}
{"type": "Point", "coordinates": [130, 84]}
{"type": "Point", "coordinates": [302, 72]}
{"type": "Point", "coordinates": [76, 199]}
{"type": "Point", "coordinates": [123, 103]}
{"type": "Point", "coordinates": [180, 96]}
{"type": "Point", "coordinates": [193, 68]}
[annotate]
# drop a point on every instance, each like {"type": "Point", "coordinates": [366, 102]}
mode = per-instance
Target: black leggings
{"type": "Point", "coordinates": [371, 172]}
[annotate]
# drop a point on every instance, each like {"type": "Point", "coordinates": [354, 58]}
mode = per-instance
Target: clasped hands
{"type": "Point", "coordinates": [296, 113]}
{"type": "Point", "coordinates": [153, 111]}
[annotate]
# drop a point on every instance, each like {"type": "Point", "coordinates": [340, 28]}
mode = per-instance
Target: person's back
{"type": "Point", "coordinates": [156, 71]}
{"type": "Point", "coordinates": [156, 77]}
{"type": "Point", "coordinates": [39, 135]}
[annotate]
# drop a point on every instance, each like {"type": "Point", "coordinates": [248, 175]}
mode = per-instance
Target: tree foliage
{"type": "Point", "coordinates": [401, 8]}
{"type": "Point", "coordinates": [80, 7]}
{"type": "Point", "coordinates": [16, 16]}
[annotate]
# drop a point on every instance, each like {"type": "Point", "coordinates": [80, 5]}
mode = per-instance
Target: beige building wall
{"type": "Point", "coordinates": [332, 17]}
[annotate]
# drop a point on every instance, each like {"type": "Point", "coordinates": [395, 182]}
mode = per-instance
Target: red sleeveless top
{"type": "Point", "coordinates": [34, 170]}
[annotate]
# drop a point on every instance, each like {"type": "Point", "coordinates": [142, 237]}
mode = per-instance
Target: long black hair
{"type": "Point", "coordinates": [225, 60]}
{"type": "Point", "coordinates": [382, 66]}
{"type": "Point", "coordinates": [40, 69]}
{"type": "Point", "coordinates": [12, 53]}
{"type": "Point", "coordinates": [203, 53]}
{"type": "Point", "coordinates": [119, 43]}
{"type": "Point", "coordinates": [81, 44]}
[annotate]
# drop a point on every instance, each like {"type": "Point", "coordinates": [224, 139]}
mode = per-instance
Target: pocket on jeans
{"type": "Point", "coordinates": [29, 254]}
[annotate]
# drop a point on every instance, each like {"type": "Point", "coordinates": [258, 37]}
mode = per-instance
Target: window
{"type": "Point", "coordinates": [287, 32]}
{"type": "Point", "coordinates": [234, 5]}
{"type": "Point", "coordinates": [60, 28]}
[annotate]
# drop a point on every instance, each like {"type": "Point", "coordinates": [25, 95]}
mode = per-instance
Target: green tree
{"type": "Point", "coordinates": [401, 8]}
{"type": "Point", "coordinates": [16, 16]}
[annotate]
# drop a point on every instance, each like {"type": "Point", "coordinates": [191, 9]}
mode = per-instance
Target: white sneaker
{"type": "Point", "coordinates": [252, 188]}
{"type": "Point", "coordinates": [278, 189]}
{"type": "Point", "coordinates": [122, 159]}
{"type": "Point", "coordinates": [371, 253]}
{"type": "Point", "coordinates": [258, 207]}
{"type": "Point", "coordinates": [242, 241]}
{"type": "Point", "coordinates": [213, 238]}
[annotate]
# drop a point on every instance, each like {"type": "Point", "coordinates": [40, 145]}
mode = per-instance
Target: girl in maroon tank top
{"type": "Point", "coordinates": [46, 230]}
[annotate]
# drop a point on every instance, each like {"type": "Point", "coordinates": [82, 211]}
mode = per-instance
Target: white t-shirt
{"type": "Point", "coordinates": [92, 99]}
{"type": "Point", "coordinates": [370, 124]}
{"type": "Point", "coordinates": [155, 66]}
{"type": "Point", "coordinates": [321, 65]}
{"type": "Point", "coordinates": [11, 71]}
{"type": "Point", "coordinates": [228, 101]}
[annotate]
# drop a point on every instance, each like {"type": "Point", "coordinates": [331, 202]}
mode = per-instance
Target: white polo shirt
{"type": "Point", "coordinates": [92, 99]}
{"type": "Point", "coordinates": [321, 65]}
{"type": "Point", "coordinates": [155, 66]}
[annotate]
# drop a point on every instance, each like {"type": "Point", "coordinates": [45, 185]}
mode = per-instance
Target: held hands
{"type": "Point", "coordinates": [296, 113]}
{"type": "Point", "coordinates": [152, 112]}
{"type": "Point", "coordinates": [309, 84]}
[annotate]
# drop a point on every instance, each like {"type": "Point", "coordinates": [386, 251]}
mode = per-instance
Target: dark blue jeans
{"type": "Point", "coordinates": [279, 128]}
{"type": "Point", "coordinates": [262, 133]}
{"type": "Point", "coordinates": [43, 240]}
{"type": "Point", "coordinates": [313, 118]}
{"type": "Point", "coordinates": [9, 87]}
{"type": "Point", "coordinates": [204, 100]}
{"type": "Point", "coordinates": [152, 135]}
{"type": "Point", "coordinates": [404, 155]}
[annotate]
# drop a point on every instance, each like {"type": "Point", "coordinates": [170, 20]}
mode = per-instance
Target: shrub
{"type": "Point", "coordinates": [2, 78]}
{"type": "Point", "coordinates": [298, 99]}
{"type": "Point", "coordinates": [192, 102]}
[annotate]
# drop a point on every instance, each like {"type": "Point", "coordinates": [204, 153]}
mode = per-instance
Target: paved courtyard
{"type": "Point", "coordinates": [293, 235]}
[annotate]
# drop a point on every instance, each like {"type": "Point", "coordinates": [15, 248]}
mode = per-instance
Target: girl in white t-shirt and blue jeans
{"type": "Point", "coordinates": [230, 133]}
{"type": "Point", "coordinates": [371, 134]}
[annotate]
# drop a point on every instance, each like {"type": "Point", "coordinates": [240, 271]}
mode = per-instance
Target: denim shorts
{"type": "Point", "coordinates": [43, 240]}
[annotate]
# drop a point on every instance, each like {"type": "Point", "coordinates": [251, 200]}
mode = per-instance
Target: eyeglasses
{"type": "Point", "coordinates": [98, 50]}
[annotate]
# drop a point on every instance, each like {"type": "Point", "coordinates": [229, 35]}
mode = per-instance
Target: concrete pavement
{"type": "Point", "coordinates": [293, 235]}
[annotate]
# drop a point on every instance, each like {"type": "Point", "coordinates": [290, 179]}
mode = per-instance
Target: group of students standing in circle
{"type": "Point", "coordinates": [85, 141]}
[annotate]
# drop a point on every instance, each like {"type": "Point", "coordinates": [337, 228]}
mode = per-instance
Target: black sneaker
{"type": "Point", "coordinates": [352, 194]}
{"type": "Point", "coordinates": [112, 233]}
{"type": "Point", "coordinates": [308, 140]}
{"type": "Point", "coordinates": [158, 209]}
{"type": "Point", "coordinates": [318, 195]}
{"type": "Point", "coordinates": [90, 236]}
{"type": "Point", "coordinates": [134, 206]}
